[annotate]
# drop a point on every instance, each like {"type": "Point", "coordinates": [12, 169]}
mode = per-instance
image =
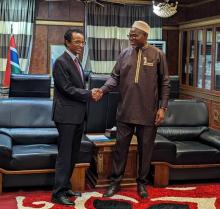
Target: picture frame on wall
{"type": "Point", "coordinates": [56, 50]}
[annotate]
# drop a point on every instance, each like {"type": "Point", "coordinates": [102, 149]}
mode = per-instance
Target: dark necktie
{"type": "Point", "coordinates": [79, 68]}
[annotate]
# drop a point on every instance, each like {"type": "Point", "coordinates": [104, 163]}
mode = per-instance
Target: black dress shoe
{"type": "Point", "coordinates": [142, 192]}
{"type": "Point", "coordinates": [61, 199]}
{"type": "Point", "coordinates": [113, 189]}
{"type": "Point", "coordinates": [70, 193]}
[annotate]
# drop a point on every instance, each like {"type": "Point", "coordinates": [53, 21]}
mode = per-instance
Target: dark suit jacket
{"type": "Point", "coordinates": [70, 95]}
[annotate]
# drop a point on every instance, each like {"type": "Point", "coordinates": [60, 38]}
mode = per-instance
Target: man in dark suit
{"type": "Point", "coordinates": [69, 111]}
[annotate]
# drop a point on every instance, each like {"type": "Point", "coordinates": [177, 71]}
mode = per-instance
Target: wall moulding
{"type": "Point", "coordinates": [200, 94]}
{"type": "Point", "coordinates": [200, 22]}
{"type": "Point", "coordinates": [61, 23]}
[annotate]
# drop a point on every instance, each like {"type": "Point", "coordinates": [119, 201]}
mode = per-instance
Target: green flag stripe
{"type": "Point", "coordinates": [15, 69]}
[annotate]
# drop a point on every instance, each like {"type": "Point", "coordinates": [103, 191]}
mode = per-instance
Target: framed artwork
{"type": "Point", "coordinates": [55, 51]}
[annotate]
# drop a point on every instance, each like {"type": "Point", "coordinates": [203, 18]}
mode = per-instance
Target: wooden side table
{"type": "Point", "coordinates": [101, 165]}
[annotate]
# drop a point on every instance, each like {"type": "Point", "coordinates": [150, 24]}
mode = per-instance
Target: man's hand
{"type": "Point", "coordinates": [160, 116]}
{"type": "Point", "coordinates": [97, 94]}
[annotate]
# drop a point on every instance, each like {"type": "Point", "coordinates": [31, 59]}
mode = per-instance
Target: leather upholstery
{"type": "Point", "coordinates": [5, 149]}
{"type": "Point", "coordinates": [30, 85]}
{"type": "Point", "coordinates": [181, 133]}
{"type": "Point", "coordinates": [164, 149]}
{"type": "Point", "coordinates": [186, 113]}
{"type": "Point", "coordinates": [28, 137]}
{"type": "Point", "coordinates": [187, 140]}
{"type": "Point", "coordinates": [211, 138]}
{"type": "Point", "coordinates": [194, 152]}
{"type": "Point", "coordinates": [101, 114]}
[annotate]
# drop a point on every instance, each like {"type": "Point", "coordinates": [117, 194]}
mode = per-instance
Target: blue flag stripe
{"type": "Point", "coordinates": [14, 55]}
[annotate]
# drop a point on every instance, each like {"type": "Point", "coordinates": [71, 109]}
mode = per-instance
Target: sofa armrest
{"type": "Point", "coordinates": [211, 137]}
{"type": "Point", "coordinates": [162, 142]}
{"type": "Point", "coordinates": [164, 150]}
{"type": "Point", "coordinates": [5, 149]}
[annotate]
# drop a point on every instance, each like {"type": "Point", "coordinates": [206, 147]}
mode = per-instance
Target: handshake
{"type": "Point", "coordinates": [97, 94]}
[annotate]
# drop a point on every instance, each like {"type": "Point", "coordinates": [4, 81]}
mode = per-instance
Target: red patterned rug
{"type": "Point", "coordinates": [173, 197]}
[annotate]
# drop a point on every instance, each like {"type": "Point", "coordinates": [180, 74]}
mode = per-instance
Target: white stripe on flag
{"type": "Point", "coordinates": [13, 49]}
{"type": "Point", "coordinates": [15, 64]}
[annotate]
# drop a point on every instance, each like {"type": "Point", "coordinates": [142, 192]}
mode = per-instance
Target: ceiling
{"type": "Point", "coordinates": [180, 2]}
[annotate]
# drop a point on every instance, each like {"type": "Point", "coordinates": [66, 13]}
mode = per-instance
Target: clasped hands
{"type": "Point", "coordinates": [97, 94]}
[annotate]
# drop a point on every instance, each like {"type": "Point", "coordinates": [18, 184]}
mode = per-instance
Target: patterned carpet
{"type": "Point", "coordinates": [200, 196]}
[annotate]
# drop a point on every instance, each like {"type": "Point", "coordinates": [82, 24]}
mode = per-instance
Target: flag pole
{"type": "Point", "coordinates": [11, 28]}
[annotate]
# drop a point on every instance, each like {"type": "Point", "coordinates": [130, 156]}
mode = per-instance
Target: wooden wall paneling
{"type": "Point", "coordinates": [70, 10]}
{"type": "Point", "coordinates": [215, 115]}
{"type": "Point", "coordinates": [209, 106]}
{"type": "Point", "coordinates": [41, 10]}
{"type": "Point", "coordinates": [38, 64]}
{"type": "Point", "coordinates": [59, 10]}
{"type": "Point", "coordinates": [171, 36]}
{"type": "Point", "coordinates": [65, 12]}
{"type": "Point", "coordinates": [77, 11]}
{"type": "Point", "coordinates": [185, 96]}
{"type": "Point", "coordinates": [202, 11]}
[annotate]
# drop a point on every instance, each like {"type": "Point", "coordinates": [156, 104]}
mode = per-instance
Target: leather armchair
{"type": "Point", "coordinates": [194, 149]}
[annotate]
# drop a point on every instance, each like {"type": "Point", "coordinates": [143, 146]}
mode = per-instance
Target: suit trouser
{"type": "Point", "coordinates": [145, 138]}
{"type": "Point", "coordinates": [69, 142]}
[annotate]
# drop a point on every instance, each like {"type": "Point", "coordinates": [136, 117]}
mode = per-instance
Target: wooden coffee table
{"type": "Point", "coordinates": [101, 165]}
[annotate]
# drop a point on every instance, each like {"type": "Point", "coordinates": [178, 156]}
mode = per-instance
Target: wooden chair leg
{"type": "Point", "coordinates": [161, 175]}
{"type": "Point", "coordinates": [1, 183]}
{"type": "Point", "coordinates": [78, 179]}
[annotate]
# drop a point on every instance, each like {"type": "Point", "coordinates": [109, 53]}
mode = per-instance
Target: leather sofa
{"type": "Point", "coordinates": [28, 145]}
{"type": "Point", "coordinates": [185, 148]}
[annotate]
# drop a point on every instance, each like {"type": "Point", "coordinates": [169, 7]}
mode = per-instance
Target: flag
{"type": "Point", "coordinates": [12, 65]}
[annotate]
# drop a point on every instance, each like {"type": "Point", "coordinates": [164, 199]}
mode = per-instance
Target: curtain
{"type": "Point", "coordinates": [106, 29]}
{"type": "Point", "coordinates": [16, 17]}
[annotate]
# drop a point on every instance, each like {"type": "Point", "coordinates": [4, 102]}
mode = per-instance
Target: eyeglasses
{"type": "Point", "coordinates": [79, 43]}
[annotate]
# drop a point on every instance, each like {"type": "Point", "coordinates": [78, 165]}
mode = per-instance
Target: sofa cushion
{"type": "Point", "coordinates": [24, 112]}
{"type": "Point", "coordinates": [86, 151]}
{"type": "Point", "coordinates": [5, 119]}
{"type": "Point", "coordinates": [193, 152]}
{"type": "Point", "coordinates": [35, 156]}
{"type": "Point", "coordinates": [5, 149]}
{"type": "Point", "coordinates": [164, 150]}
{"type": "Point", "coordinates": [33, 135]}
{"type": "Point", "coordinates": [182, 133]}
{"type": "Point", "coordinates": [43, 156]}
{"type": "Point", "coordinates": [211, 138]}
{"type": "Point", "coordinates": [186, 113]}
